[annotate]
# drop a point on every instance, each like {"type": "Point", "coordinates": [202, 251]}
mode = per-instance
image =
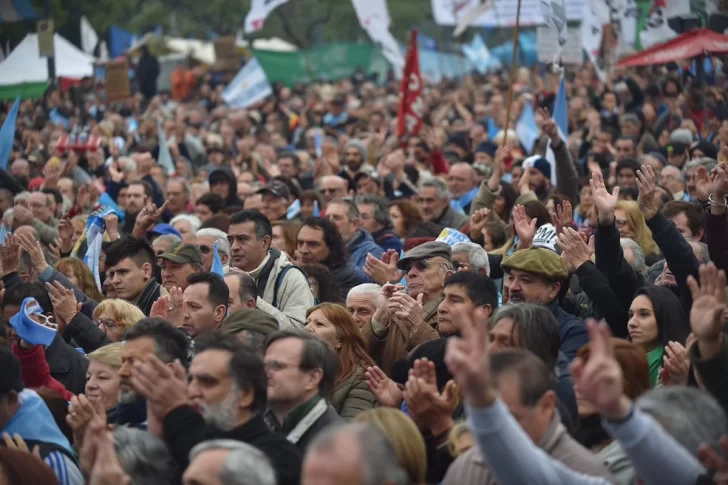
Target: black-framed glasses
{"type": "Point", "coordinates": [204, 249]}
{"type": "Point", "coordinates": [106, 322]}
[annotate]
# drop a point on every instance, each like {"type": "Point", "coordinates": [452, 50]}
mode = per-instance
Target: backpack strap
{"type": "Point", "coordinates": [279, 282]}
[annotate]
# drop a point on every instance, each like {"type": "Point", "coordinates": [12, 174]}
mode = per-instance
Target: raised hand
{"type": "Point", "coordinates": [16, 442]}
{"type": "Point", "coordinates": [10, 254]}
{"type": "Point", "coordinates": [574, 251]}
{"type": "Point", "coordinates": [428, 406]}
{"type": "Point", "coordinates": [148, 217]}
{"type": "Point", "coordinates": [706, 314]}
{"type": "Point", "coordinates": [549, 127]}
{"type": "Point", "coordinates": [720, 187]}
{"type": "Point", "coordinates": [383, 315]}
{"type": "Point", "coordinates": [606, 203]}
{"type": "Point", "coordinates": [600, 379]}
{"type": "Point", "coordinates": [176, 307]}
{"type": "Point", "coordinates": [524, 186]}
{"type": "Point", "coordinates": [384, 389]}
{"type": "Point", "coordinates": [112, 226]}
{"type": "Point", "coordinates": [499, 167]}
{"type": "Point", "coordinates": [163, 386]}
{"type": "Point", "coordinates": [383, 270]}
{"type": "Point", "coordinates": [478, 219]}
{"type": "Point", "coordinates": [647, 183]}
{"type": "Point", "coordinates": [407, 309]}
{"type": "Point", "coordinates": [715, 462]}
{"type": "Point", "coordinates": [563, 217]}
{"type": "Point", "coordinates": [81, 412]}
{"type": "Point", "coordinates": [703, 184]}
{"type": "Point", "coordinates": [32, 246]}
{"type": "Point", "coordinates": [467, 359]}
{"type": "Point", "coordinates": [524, 225]}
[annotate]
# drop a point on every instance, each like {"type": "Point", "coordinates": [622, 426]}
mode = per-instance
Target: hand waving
{"type": "Point", "coordinates": [647, 183]}
{"type": "Point", "coordinates": [606, 203]}
{"type": "Point", "coordinates": [575, 252]}
{"type": "Point", "coordinates": [10, 254]}
{"type": "Point", "coordinates": [563, 217]}
{"type": "Point", "coordinates": [383, 270]}
{"type": "Point", "coordinates": [65, 305]}
{"type": "Point", "coordinates": [524, 225]}
{"type": "Point", "coordinates": [706, 314]}
{"type": "Point", "coordinates": [31, 246]}
{"type": "Point", "coordinates": [384, 389]}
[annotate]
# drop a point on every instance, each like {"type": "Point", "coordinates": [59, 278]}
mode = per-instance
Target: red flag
{"type": "Point", "coordinates": [411, 104]}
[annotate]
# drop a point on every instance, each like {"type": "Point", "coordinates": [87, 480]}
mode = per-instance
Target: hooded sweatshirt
{"type": "Point", "coordinates": [224, 173]}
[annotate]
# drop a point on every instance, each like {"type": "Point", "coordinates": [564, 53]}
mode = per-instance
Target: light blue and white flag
{"type": "Point", "coordinates": [164, 158]}
{"type": "Point", "coordinates": [477, 52]}
{"type": "Point", "coordinates": [526, 128]}
{"type": "Point", "coordinates": [95, 228]}
{"type": "Point", "coordinates": [492, 129]}
{"type": "Point", "coordinates": [7, 134]}
{"type": "Point", "coordinates": [3, 234]}
{"type": "Point", "coordinates": [217, 266]}
{"type": "Point", "coordinates": [316, 209]}
{"type": "Point", "coordinates": [294, 209]}
{"type": "Point", "coordinates": [249, 86]}
{"type": "Point", "coordinates": [560, 114]}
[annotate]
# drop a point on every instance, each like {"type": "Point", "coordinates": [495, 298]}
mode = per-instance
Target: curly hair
{"type": "Point", "coordinates": [338, 255]}
{"type": "Point", "coordinates": [83, 275]}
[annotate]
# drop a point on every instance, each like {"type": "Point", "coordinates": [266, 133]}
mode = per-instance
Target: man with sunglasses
{"type": "Point", "coordinates": [407, 317]}
{"type": "Point", "coordinates": [333, 187]}
{"type": "Point", "coordinates": [205, 240]}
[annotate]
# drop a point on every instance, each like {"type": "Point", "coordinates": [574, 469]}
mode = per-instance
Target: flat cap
{"type": "Point", "coordinates": [427, 250]}
{"type": "Point", "coordinates": [182, 253]}
{"type": "Point", "coordinates": [250, 319]}
{"type": "Point", "coordinates": [539, 261]}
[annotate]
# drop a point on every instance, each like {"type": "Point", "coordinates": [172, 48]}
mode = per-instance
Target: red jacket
{"type": "Point", "coordinates": [35, 370]}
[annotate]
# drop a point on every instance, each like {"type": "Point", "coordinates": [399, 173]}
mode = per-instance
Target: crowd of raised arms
{"type": "Point", "coordinates": [303, 297]}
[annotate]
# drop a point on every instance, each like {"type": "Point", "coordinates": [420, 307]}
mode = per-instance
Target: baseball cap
{"type": "Point", "coordinates": [277, 188]}
{"type": "Point", "coordinates": [182, 253]}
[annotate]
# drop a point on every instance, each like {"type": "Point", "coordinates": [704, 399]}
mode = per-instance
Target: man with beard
{"type": "Point", "coordinates": [138, 195]}
{"type": "Point", "coordinates": [355, 161]}
{"type": "Point", "coordinates": [151, 337]}
{"type": "Point", "coordinates": [539, 178]}
{"type": "Point", "coordinates": [225, 399]}
{"type": "Point", "coordinates": [536, 275]}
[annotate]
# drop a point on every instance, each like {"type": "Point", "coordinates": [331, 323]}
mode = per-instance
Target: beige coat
{"type": "Point", "coordinates": [388, 345]}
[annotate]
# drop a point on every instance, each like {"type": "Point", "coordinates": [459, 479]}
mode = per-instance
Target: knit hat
{"type": "Point", "coordinates": [459, 139]}
{"type": "Point", "coordinates": [487, 147]}
{"type": "Point", "coordinates": [543, 166]}
{"type": "Point", "coordinates": [360, 146]}
{"type": "Point", "coordinates": [538, 261]}
{"type": "Point", "coordinates": [250, 319]}
{"type": "Point", "coordinates": [709, 150]}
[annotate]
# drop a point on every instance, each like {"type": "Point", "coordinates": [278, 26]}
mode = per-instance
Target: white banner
{"type": "Point", "coordinates": [259, 11]}
{"type": "Point", "coordinates": [369, 11]}
{"type": "Point", "coordinates": [502, 13]}
{"type": "Point", "coordinates": [656, 29]}
{"type": "Point", "coordinates": [89, 39]}
{"type": "Point", "coordinates": [373, 17]}
{"type": "Point", "coordinates": [547, 46]}
{"type": "Point", "coordinates": [249, 86]}
{"type": "Point", "coordinates": [595, 16]}
{"type": "Point", "coordinates": [554, 14]}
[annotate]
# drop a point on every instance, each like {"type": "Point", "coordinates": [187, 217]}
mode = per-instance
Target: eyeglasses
{"type": "Point", "coordinates": [329, 191]}
{"type": "Point", "coordinates": [274, 365]}
{"type": "Point", "coordinates": [106, 322]}
{"type": "Point", "coordinates": [419, 264]}
{"type": "Point", "coordinates": [204, 249]}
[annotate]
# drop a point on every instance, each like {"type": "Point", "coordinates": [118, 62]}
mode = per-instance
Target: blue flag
{"type": "Point", "coordinates": [492, 129]}
{"type": "Point", "coordinates": [560, 111]}
{"type": "Point", "coordinates": [526, 129]}
{"type": "Point", "coordinates": [7, 134]}
{"type": "Point", "coordinates": [217, 267]}
{"type": "Point", "coordinates": [294, 209]}
{"type": "Point", "coordinates": [316, 209]}
{"type": "Point", "coordinates": [3, 234]}
{"type": "Point", "coordinates": [164, 158]}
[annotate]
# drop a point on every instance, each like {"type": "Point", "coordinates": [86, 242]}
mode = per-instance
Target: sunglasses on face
{"type": "Point", "coordinates": [419, 265]}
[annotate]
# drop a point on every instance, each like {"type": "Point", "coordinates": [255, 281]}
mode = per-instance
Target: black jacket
{"type": "Point", "coordinates": [346, 279]}
{"type": "Point", "coordinates": [622, 278]}
{"type": "Point", "coordinates": [68, 365]}
{"type": "Point", "coordinates": [596, 287]}
{"type": "Point", "coordinates": [83, 331]}
{"type": "Point", "coordinates": [184, 429]}
{"type": "Point", "coordinates": [329, 418]}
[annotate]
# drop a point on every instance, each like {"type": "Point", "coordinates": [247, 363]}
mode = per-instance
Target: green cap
{"type": "Point", "coordinates": [538, 261]}
{"type": "Point", "coordinates": [251, 319]}
{"type": "Point", "coordinates": [182, 253]}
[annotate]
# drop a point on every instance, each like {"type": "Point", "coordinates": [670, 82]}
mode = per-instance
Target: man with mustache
{"type": "Point", "coordinates": [536, 275]}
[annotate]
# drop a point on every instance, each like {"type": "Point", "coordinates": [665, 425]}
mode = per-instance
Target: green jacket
{"type": "Point", "coordinates": [353, 396]}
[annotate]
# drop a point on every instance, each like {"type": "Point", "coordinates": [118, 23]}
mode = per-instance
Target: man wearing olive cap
{"type": "Point", "coordinates": [179, 261]}
{"type": "Point", "coordinates": [406, 318]}
{"type": "Point", "coordinates": [536, 275]}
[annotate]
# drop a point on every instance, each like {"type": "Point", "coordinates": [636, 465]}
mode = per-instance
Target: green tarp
{"type": "Point", "coordinates": [25, 91]}
{"type": "Point", "coordinates": [332, 62]}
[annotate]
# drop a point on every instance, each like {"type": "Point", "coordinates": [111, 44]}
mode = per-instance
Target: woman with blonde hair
{"type": "Point", "coordinates": [102, 377]}
{"type": "Point", "coordinates": [631, 224]}
{"type": "Point", "coordinates": [114, 317]}
{"type": "Point", "coordinates": [80, 275]}
{"type": "Point", "coordinates": [404, 437]}
{"type": "Point", "coordinates": [333, 324]}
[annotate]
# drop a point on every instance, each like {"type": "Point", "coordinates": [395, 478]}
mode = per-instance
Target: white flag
{"type": "Point", "coordinates": [554, 14]}
{"type": "Point", "coordinates": [656, 28]}
{"type": "Point", "coordinates": [471, 15]}
{"type": "Point", "coordinates": [596, 14]}
{"type": "Point", "coordinates": [89, 39]}
{"type": "Point", "coordinates": [249, 86]}
{"type": "Point", "coordinates": [259, 11]}
{"type": "Point", "coordinates": [374, 18]}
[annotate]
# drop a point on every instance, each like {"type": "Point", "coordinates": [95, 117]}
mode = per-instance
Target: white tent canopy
{"type": "Point", "coordinates": [24, 64]}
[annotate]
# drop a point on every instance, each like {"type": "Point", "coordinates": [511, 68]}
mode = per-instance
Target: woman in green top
{"type": "Point", "coordinates": [658, 323]}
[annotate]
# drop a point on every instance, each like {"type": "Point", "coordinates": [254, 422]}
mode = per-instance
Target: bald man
{"type": "Point", "coordinates": [462, 186]}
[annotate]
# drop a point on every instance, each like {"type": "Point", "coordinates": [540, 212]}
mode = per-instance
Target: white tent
{"type": "Point", "coordinates": [24, 64]}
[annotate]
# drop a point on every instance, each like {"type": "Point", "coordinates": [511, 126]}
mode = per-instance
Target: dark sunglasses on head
{"type": "Point", "coordinates": [204, 249]}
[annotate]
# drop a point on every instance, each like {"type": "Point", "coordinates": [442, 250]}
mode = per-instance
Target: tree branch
{"type": "Point", "coordinates": [289, 30]}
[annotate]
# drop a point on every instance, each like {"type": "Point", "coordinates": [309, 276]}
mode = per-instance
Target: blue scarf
{"type": "Point", "coordinates": [465, 200]}
{"type": "Point", "coordinates": [34, 421]}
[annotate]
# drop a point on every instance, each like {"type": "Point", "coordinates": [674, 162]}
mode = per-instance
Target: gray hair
{"type": "Point", "coordinates": [193, 221]}
{"type": "Point", "coordinates": [707, 162]}
{"type": "Point", "coordinates": [638, 264]}
{"type": "Point", "coordinates": [381, 212]}
{"type": "Point", "coordinates": [678, 172]}
{"type": "Point", "coordinates": [692, 417]}
{"type": "Point", "coordinates": [438, 184]}
{"type": "Point", "coordinates": [144, 457]}
{"type": "Point", "coordinates": [171, 238]}
{"type": "Point", "coordinates": [365, 288]}
{"type": "Point", "coordinates": [223, 245]}
{"type": "Point", "coordinates": [22, 197]}
{"type": "Point", "coordinates": [377, 457]}
{"type": "Point", "coordinates": [248, 287]}
{"type": "Point", "coordinates": [352, 211]}
{"type": "Point", "coordinates": [246, 464]}
{"type": "Point", "coordinates": [477, 257]}
{"type": "Point", "coordinates": [185, 185]}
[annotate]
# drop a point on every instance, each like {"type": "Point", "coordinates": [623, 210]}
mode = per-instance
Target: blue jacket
{"type": "Point", "coordinates": [387, 239]}
{"type": "Point", "coordinates": [573, 331]}
{"type": "Point", "coordinates": [359, 246]}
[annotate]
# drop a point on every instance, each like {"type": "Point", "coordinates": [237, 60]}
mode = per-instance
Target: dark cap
{"type": "Point", "coordinates": [677, 148]}
{"type": "Point", "coordinates": [427, 250]}
{"type": "Point", "coordinates": [183, 253]}
{"type": "Point", "coordinates": [538, 261]}
{"type": "Point", "coordinates": [12, 379]}
{"type": "Point", "coordinates": [277, 188]}
{"type": "Point", "coordinates": [251, 319]}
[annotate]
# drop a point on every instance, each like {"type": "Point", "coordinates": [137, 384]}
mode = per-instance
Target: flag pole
{"type": "Point", "coordinates": [514, 59]}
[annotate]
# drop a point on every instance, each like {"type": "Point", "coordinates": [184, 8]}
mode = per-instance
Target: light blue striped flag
{"type": "Point", "coordinates": [7, 134]}
{"type": "Point", "coordinates": [217, 267]}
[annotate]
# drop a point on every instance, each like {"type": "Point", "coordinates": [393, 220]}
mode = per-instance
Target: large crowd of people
{"type": "Point", "coordinates": [304, 297]}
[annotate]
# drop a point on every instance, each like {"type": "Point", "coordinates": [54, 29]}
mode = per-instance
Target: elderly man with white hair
{"type": "Point", "coordinates": [187, 225]}
{"type": "Point", "coordinates": [361, 302]}
{"type": "Point", "coordinates": [228, 462]}
{"type": "Point", "coordinates": [205, 240]}
{"type": "Point", "coordinates": [471, 257]}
